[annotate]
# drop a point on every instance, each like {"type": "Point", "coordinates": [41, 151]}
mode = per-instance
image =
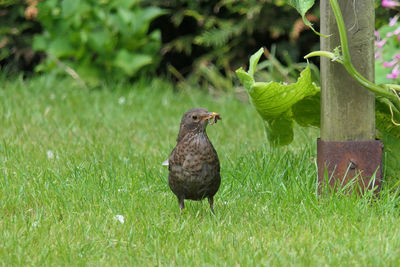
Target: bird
{"type": "Point", "coordinates": [194, 168]}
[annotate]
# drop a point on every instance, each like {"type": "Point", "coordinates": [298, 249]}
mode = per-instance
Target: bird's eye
{"type": "Point", "coordinates": [194, 117]}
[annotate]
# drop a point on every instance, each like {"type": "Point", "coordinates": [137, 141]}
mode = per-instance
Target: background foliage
{"type": "Point", "coordinates": [208, 40]}
{"type": "Point", "coordinates": [17, 28]}
{"type": "Point", "coordinates": [192, 42]}
{"type": "Point", "coordinates": [196, 41]}
{"type": "Point", "coordinates": [99, 38]}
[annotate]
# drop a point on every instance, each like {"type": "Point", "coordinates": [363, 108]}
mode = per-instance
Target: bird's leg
{"type": "Point", "coordinates": [181, 203]}
{"type": "Point", "coordinates": [211, 201]}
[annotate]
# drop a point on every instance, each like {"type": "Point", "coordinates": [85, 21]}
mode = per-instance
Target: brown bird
{"type": "Point", "coordinates": [193, 164]}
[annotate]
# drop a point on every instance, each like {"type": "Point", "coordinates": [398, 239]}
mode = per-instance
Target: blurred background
{"type": "Point", "coordinates": [190, 43]}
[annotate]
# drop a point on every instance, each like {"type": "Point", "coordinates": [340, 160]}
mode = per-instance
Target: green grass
{"type": "Point", "coordinates": [72, 159]}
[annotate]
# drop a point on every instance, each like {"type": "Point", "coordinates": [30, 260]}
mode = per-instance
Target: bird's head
{"type": "Point", "coordinates": [196, 120]}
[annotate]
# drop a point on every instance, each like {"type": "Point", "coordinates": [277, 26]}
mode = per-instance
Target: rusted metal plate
{"type": "Point", "coordinates": [340, 161]}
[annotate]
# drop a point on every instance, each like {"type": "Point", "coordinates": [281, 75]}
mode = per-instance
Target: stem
{"type": "Point", "coordinates": [324, 54]}
{"type": "Point", "coordinates": [383, 91]}
{"type": "Point", "coordinates": [392, 86]}
{"type": "Point", "coordinates": [371, 86]}
{"type": "Point", "coordinates": [355, 74]}
{"type": "Point", "coordinates": [342, 30]}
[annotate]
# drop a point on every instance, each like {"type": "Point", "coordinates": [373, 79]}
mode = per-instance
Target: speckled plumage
{"type": "Point", "coordinates": [194, 170]}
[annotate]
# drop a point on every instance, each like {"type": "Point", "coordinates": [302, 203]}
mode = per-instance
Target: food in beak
{"type": "Point", "coordinates": [213, 118]}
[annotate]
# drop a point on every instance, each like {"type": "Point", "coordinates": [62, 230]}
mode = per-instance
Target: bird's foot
{"type": "Point", "coordinates": [181, 203]}
{"type": "Point", "coordinates": [211, 201]}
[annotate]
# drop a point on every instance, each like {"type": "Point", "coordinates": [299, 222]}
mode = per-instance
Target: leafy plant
{"type": "Point", "coordinates": [96, 39]}
{"type": "Point", "coordinates": [283, 102]}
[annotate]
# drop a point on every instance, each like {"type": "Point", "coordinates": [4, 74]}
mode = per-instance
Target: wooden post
{"type": "Point", "coordinates": [347, 147]}
{"type": "Point", "coordinates": [348, 109]}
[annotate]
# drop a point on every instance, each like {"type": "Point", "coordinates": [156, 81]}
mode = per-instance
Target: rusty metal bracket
{"type": "Point", "coordinates": [340, 161]}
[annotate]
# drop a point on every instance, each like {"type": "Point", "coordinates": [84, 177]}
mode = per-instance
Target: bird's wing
{"type": "Point", "coordinates": [168, 160]}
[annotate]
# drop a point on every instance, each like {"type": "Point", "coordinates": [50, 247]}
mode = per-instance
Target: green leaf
{"type": "Point", "coordinates": [280, 104]}
{"type": "Point", "coordinates": [126, 15]}
{"type": "Point", "coordinates": [307, 112]}
{"type": "Point", "coordinates": [70, 7]}
{"type": "Point", "coordinates": [141, 18]}
{"type": "Point", "coordinates": [246, 79]}
{"type": "Point", "coordinates": [125, 4]}
{"type": "Point", "coordinates": [254, 61]}
{"type": "Point", "coordinates": [280, 130]}
{"type": "Point", "coordinates": [392, 157]}
{"type": "Point", "coordinates": [60, 47]}
{"type": "Point", "coordinates": [384, 118]}
{"type": "Point", "coordinates": [390, 136]}
{"type": "Point", "coordinates": [150, 13]}
{"type": "Point", "coordinates": [302, 6]}
{"type": "Point", "coordinates": [100, 40]}
{"type": "Point", "coordinates": [40, 43]}
{"type": "Point", "coordinates": [131, 63]}
{"type": "Point", "coordinates": [272, 99]}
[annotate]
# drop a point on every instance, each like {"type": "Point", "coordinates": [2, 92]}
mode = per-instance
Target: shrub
{"type": "Point", "coordinates": [108, 38]}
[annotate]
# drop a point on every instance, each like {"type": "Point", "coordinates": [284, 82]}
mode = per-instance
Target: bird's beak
{"type": "Point", "coordinates": [208, 116]}
{"type": "Point", "coordinates": [212, 116]}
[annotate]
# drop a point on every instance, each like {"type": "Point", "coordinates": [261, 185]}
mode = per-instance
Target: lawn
{"type": "Point", "coordinates": [72, 159]}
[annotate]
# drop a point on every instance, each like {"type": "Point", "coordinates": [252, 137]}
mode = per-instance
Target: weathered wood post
{"type": "Point", "coordinates": [347, 144]}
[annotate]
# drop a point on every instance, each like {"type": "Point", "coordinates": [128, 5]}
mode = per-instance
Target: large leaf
{"type": "Point", "coordinates": [274, 101]}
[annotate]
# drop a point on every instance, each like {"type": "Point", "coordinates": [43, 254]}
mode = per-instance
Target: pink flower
{"type": "Point", "coordinates": [395, 32]}
{"type": "Point", "coordinates": [393, 20]}
{"type": "Point", "coordinates": [389, 64]}
{"type": "Point", "coordinates": [395, 73]}
{"type": "Point", "coordinates": [380, 43]}
{"type": "Point", "coordinates": [390, 3]}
